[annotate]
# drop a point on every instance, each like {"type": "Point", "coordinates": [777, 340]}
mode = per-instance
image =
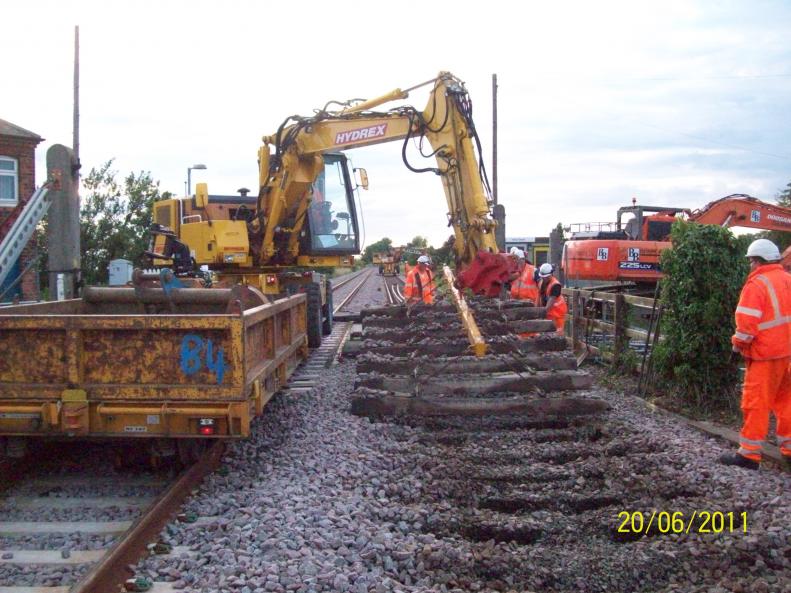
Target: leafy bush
{"type": "Point", "coordinates": [704, 273]}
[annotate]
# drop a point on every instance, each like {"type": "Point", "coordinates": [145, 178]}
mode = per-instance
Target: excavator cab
{"type": "Point", "coordinates": [331, 227]}
{"type": "Point", "coordinates": [658, 226]}
{"type": "Point", "coordinates": [649, 223]}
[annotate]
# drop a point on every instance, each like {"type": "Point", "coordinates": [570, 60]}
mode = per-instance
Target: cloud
{"type": "Point", "coordinates": [677, 103]}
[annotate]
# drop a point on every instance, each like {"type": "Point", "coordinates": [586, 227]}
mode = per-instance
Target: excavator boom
{"type": "Point", "coordinates": [741, 210]}
{"type": "Point", "coordinates": [291, 160]}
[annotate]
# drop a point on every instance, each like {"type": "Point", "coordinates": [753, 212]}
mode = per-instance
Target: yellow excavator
{"type": "Point", "coordinates": [304, 217]}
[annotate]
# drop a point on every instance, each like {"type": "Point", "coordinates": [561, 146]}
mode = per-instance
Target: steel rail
{"type": "Point", "coordinates": [112, 571]}
{"type": "Point", "coordinates": [394, 296]}
{"type": "Point", "coordinates": [345, 281]}
{"type": "Point", "coordinates": [353, 292]}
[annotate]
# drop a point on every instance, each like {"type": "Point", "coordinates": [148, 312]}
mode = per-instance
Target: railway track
{"type": "Point", "coordinates": [320, 500]}
{"type": "Point", "coordinates": [102, 524]}
{"type": "Point", "coordinates": [76, 530]}
{"type": "Point", "coordinates": [533, 478]}
{"type": "Point", "coordinates": [363, 290]}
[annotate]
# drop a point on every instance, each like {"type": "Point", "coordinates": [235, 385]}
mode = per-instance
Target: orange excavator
{"type": "Point", "coordinates": [630, 251]}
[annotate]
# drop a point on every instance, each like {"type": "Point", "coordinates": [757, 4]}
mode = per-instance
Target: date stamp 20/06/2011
{"type": "Point", "coordinates": [665, 522]}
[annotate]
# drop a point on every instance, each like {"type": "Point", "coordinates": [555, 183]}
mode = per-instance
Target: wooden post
{"type": "Point", "coordinates": [576, 318]}
{"type": "Point", "coordinates": [620, 340]}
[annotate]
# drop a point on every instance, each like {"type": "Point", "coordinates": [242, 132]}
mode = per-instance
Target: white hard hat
{"type": "Point", "coordinates": [545, 270]}
{"type": "Point", "coordinates": [517, 252]}
{"type": "Point", "coordinates": [763, 248]}
{"type": "Point", "coordinates": [424, 259]}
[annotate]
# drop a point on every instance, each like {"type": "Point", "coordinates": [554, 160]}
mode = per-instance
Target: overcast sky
{"type": "Point", "coordinates": [674, 103]}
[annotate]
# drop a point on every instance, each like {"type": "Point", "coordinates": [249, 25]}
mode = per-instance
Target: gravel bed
{"type": "Point", "coordinates": [86, 490]}
{"type": "Point", "coordinates": [75, 514]}
{"type": "Point", "coordinates": [40, 575]}
{"type": "Point", "coordinates": [319, 500]}
{"type": "Point", "coordinates": [57, 541]}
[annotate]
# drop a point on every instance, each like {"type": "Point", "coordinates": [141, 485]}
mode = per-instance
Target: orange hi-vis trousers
{"type": "Point", "coordinates": [767, 387]}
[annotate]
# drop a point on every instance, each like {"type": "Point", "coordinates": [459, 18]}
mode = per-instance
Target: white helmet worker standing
{"type": "Point", "coordinates": [419, 285]}
{"type": "Point", "coordinates": [523, 283]}
{"type": "Point", "coordinates": [763, 337]}
{"type": "Point", "coordinates": [764, 249]}
{"type": "Point", "coordinates": [545, 271]}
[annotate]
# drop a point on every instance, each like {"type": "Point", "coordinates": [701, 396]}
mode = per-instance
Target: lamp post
{"type": "Point", "coordinates": [189, 176]}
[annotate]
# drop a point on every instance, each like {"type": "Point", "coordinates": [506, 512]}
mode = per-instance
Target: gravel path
{"type": "Point", "coordinates": [319, 500]}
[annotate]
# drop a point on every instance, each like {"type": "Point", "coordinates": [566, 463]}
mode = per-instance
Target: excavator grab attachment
{"type": "Point", "coordinates": [487, 273]}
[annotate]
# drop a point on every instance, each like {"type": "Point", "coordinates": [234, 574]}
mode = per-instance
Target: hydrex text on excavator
{"type": "Point", "coordinates": [304, 214]}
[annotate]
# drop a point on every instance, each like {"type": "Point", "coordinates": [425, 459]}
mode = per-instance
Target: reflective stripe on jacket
{"type": "Point", "coordinates": [763, 316]}
{"type": "Point", "coordinates": [417, 282]}
{"type": "Point", "coordinates": [559, 307]}
{"type": "Point", "coordinates": [525, 287]}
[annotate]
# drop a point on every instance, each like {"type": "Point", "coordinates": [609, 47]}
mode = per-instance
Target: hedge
{"type": "Point", "coordinates": [704, 274]}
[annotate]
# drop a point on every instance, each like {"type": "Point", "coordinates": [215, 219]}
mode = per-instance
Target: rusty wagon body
{"type": "Point", "coordinates": [142, 363]}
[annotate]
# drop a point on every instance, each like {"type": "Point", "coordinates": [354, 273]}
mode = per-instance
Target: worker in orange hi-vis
{"type": "Point", "coordinates": [420, 283]}
{"type": "Point", "coordinates": [763, 337]}
{"type": "Point", "coordinates": [524, 286]}
{"type": "Point", "coordinates": [551, 297]}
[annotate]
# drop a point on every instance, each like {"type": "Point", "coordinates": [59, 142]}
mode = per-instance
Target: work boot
{"type": "Point", "coordinates": [739, 460]}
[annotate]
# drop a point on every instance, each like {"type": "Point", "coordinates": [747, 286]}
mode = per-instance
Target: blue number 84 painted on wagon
{"type": "Point", "coordinates": [197, 352]}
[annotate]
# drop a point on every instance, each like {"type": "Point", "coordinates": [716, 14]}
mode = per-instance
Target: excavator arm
{"type": "Point", "coordinates": [744, 211]}
{"type": "Point", "coordinates": [290, 161]}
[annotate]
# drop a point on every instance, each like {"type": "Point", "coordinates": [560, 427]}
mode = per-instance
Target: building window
{"type": "Point", "coordinates": [9, 181]}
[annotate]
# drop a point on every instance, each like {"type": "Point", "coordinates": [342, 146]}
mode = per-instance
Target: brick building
{"type": "Point", "coordinates": [17, 184]}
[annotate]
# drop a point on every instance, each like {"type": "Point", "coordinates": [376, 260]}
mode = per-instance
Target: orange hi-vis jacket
{"type": "Point", "coordinates": [557, 312]}
{"type": "Point", "coordinates": [525, 287]}
{"type": "Point", "coordinates": [420, 285]}
{"type": "Point", "coordinates": [763, 316]}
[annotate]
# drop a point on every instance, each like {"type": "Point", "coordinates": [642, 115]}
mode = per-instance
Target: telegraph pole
{"type": "Point", "coordinates": [76, 130]}
{"type": "Point", "coordinates": [498, 210]}
{"type": "Point", "coordinates": [494, 137]}
{"type": "Point", "coordinates": [63, 230]}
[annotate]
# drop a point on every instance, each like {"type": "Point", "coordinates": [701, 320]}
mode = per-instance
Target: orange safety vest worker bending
{"type": "Point", "coordinates": [552, 297]}
{"type": "Point", "coordinates": [420, 283]}
{"type": "Point", "coordinates": [763, 337]}
{"type": "Point", "coordinates": [524, 287]}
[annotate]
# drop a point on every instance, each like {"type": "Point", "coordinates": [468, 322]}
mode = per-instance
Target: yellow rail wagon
{"type": "Point", "coordinates": [145, 362]}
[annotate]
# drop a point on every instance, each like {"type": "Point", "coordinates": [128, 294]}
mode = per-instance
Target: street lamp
{"type": "Point", "coordinates": [189, 180]}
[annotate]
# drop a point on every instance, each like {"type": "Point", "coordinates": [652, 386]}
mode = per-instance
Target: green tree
{"type": "Point", "coordinates": [443, 256]}
{"type": "Point", "coordinates": [704, 273]}
{"type": "Point", "coordinates": [382, 245]}
{"type": "Point", "coordinates": [114, 219]}
{"type": "Point", "coordinates": [781, 238]}
{"type": "Point", "coordinates": [414, 248]}
{"type": "Point", "coordinates": [559, 228]}
{"type": "Point", "coordinates": [418, 242]}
